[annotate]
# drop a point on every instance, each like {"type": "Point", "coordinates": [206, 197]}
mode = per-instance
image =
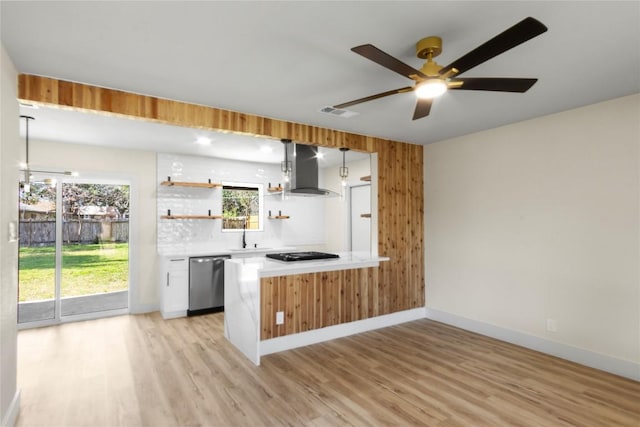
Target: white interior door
{"type": "Point", "coordinates": [360, 222]}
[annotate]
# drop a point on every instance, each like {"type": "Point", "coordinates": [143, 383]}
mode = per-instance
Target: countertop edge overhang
{"type": "Point", "coordinates": [266, 267]}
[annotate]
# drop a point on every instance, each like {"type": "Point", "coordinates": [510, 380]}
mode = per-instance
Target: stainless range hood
{"type": "Point", "coordinates": [304, 171]}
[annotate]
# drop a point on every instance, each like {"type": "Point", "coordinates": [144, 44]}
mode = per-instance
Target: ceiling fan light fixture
{"type": "Point", "coordinates": [431, 88]}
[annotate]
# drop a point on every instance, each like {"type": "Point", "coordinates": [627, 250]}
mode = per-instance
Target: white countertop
{"type": "Point", "coordinates": [267, 267]}
{"type": "Point", "coordinates": [199, 250]}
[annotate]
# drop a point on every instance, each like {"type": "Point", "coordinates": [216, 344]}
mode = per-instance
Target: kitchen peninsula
{"type": "Point", "coordinates": [272, 305]}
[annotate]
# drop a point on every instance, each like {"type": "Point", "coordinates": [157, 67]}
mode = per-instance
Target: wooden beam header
{"type": "Point", "coordinates": [82, 97]}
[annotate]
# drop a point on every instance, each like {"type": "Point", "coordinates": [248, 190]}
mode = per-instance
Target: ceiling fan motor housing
{"type": "Point", "coordinates": [429, 45]}
{"type": "Point", "coordinates": [428, 48]}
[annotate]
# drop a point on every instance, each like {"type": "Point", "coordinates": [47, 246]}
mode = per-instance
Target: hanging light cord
{"type": "Point", "coordinates": [27, 169]}
{"type": "Point", "coordinates": [27, 118]}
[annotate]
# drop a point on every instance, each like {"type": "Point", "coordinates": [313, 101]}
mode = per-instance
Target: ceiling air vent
{"type": "Point", "coordinates": [338, 112]}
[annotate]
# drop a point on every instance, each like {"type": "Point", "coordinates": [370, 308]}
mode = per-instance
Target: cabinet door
{"type": "Point", "coordinates": [175, 293]}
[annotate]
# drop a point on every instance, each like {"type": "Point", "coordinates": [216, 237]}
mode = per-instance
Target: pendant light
{"type": "Point", "coordinates": [26, 183]}
{"type": "Point", "coordinates": [344, 170]}
{"type": "Point", "coordinates": [286, 165]}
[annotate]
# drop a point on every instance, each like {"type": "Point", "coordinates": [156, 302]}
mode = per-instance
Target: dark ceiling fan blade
{"type": "Point", "coordinates": [423, 107]}
{"type": "Point", "coordinates": [371, 52]}
{"type": "Point", "coordinates": [498, 84]}
{"type": "Point", "coordinates": [372, 97]}
{"type": "Point", "coordinates": [524, 30]}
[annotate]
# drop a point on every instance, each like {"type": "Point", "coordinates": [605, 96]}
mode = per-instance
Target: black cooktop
{"type": "Point", "coordinates": [301, 256]}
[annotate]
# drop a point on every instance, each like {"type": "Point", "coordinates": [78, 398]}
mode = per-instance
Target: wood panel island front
{"type": "Point", "coordinates": [272, 305]}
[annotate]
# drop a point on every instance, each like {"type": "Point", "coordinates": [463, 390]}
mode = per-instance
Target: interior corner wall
{"type": "Point", "coordinates": [9, 143]}
{"type": "Point", "coordinates": [139, 167]}
{"type": "Point", "coordinates": [540, 220]}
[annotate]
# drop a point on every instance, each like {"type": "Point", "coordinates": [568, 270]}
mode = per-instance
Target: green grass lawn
{"type": "Point", "coordinates": [86, 269]}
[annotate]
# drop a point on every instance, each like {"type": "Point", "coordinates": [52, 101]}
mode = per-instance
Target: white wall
{"type": "Point", "coordinates": [337, 209]}
{"type": "Point", "coordinates": [540, 220]}
{"type": "Point", "coordinates": [139, 168]}
{"type": "Point", "coordinates": [9, 143]}
{"type": "Point", "coordinates": [305, 227]}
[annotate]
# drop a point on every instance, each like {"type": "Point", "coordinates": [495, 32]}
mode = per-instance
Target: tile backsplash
{"type": "Point", "coordinates": [305, 227]}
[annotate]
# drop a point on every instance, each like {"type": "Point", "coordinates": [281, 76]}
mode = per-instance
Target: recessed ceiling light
{"type": "Point", "coordinates": [203, 140]}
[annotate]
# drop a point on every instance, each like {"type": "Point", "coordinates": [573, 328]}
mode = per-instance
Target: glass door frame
{"type": "Point", "coordinates": [58, 318]}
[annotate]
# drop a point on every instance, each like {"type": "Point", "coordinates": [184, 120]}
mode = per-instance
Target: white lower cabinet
{"type": "Point", "coordinates": [175, 287]}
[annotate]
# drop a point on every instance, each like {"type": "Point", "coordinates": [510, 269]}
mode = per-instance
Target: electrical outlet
{"type": "Point", "coordinates": [280, 318]}
{"type": "Point", "coordinates": [552, 325]}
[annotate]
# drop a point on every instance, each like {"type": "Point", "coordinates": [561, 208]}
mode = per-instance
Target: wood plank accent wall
{"type": "Point", "coordinates": [399, 283]}
{"type": "Point", "coordinates": [316, 300]}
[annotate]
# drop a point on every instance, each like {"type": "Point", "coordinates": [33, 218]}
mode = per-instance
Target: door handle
{"type": "Point", "coordinates": [167, 278]}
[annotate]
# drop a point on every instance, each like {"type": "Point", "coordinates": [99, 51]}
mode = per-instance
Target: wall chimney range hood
{"type": "Point", "coordinates": [304, 171]}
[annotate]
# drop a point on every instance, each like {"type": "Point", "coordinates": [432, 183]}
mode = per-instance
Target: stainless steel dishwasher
{"type": "Point", "coordinates": [206, 284]}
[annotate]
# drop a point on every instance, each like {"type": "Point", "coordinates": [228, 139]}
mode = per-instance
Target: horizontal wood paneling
{"type": "Point", "coordinates": [399, 283]}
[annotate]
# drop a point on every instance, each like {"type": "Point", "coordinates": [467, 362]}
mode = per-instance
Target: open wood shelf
{"type": "Point", "coordinates": [192, 184]}
{"type": "Point", "coordinates": [368, 215]}
{"type": "Point", "coordinates": [191, 217]}
{"type": "Point", "coordinates": [279, 217]}
{"type": "Point", "coordinates": [365, 178]}
{"type": "Point", "coordinates": [275, 189]}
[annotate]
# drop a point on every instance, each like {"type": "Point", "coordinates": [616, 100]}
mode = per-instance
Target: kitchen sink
{"type": "Point", "coordinates": [250, 249]}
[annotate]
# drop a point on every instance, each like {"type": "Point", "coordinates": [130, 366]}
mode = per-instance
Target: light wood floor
{"type": "Point", "coordinates": [142, 370]}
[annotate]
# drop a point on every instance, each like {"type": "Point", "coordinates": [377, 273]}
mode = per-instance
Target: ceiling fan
{"type": "Point", "coordinates": [432, 80]}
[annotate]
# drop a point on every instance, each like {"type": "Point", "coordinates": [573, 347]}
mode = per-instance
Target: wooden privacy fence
{"type": "Point", "coordinates": [43, 232]}
{"type": "Point", "coordinates": [239, 224]}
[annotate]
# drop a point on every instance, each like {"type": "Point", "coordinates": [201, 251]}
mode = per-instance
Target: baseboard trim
{"type": "Point", "coordinates": [599, 361]}
{"type": "Point", "coordinates": [10, 418]}
{"type": "Point", "coordinates": [144, 308]}
{"type": "Point", "coordinates": [173, 314]}
{"type": "Point", "coordinates": [302, 339]}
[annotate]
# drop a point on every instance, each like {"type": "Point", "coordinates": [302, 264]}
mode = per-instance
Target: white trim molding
{"type": "Point", "coordinates": [592, 359]}
{"type": "Point", "coordinates": [11, 416]}
{"type": "Point", "coordinates": [315, 336]}
{"type": "Point", "coordinates": [143, 308]}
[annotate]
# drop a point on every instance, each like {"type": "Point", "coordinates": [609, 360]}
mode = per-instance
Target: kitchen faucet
{"type": "Point", "coordinates": [244, 232]}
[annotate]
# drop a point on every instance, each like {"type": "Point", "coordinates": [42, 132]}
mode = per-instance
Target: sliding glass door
{"type": "Point", "coordinates": [37, 257]}
{"type": "Point", "coordinates": [95, 248]}
{"type": "Point", "coordinates": [75, 260]}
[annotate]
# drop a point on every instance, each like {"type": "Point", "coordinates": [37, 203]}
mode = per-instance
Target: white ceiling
{"type": "Point", "coordinates": [286, 60]}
